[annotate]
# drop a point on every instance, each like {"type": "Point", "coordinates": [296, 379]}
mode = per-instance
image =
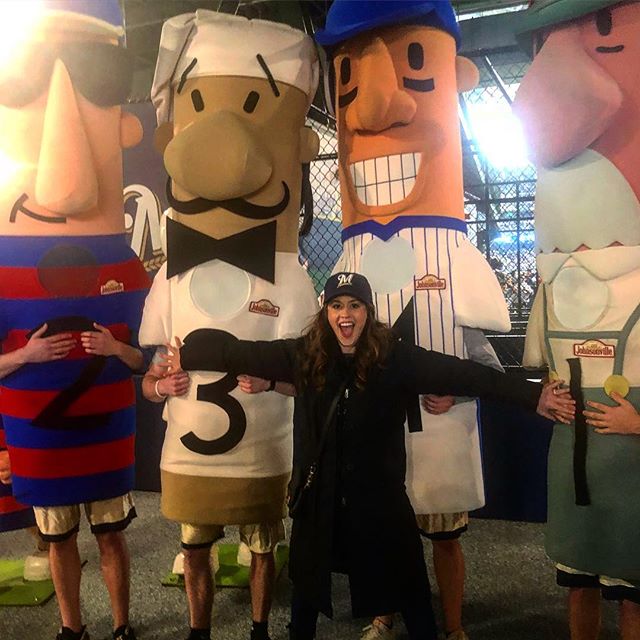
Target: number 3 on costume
{"type": "Point", "coordinates": [218, 393]}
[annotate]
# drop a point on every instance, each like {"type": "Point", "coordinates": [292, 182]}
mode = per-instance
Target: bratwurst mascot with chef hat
{"type": "Point", "coordinates": [231, 95]}
{"type": "Point", "coordinates": [397, 78]}
{"type": "Point", "coordinates": [71, 289]}
{"type": "Point", "coordinates": [579, 103]}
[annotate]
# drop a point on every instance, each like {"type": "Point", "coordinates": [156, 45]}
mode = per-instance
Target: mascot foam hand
{"type": "Point", "coordinates": [64, 258]}
{"type": "Point", "coordinates": [579, 105]}
{"type": "Point", "coordinates": [231, 95]}
{"type": "Point", "coordinates": [397, 78]}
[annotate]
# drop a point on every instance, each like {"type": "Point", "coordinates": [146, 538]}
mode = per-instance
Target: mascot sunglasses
{"type": "Point", "coordinates": [101, 72]}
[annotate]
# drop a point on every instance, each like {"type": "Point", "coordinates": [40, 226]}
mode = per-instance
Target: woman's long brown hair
{"type": "Point", "coordinates": [320, 343]}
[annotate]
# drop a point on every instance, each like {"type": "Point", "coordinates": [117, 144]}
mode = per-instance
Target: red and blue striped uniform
{"type": "Point", "coordinates": [13, 515]}
{"type": "Point", "coordinates": [42, 279]}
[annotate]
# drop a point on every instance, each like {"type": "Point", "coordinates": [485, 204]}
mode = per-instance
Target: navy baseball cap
{"type": "Point", "coordinates": [348, 18]}
{"type": "Point", "coordinates": [348, 284]}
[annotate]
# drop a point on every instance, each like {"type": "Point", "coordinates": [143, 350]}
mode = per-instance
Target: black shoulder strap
{"type": "Point", "coordinates": [327, 422]}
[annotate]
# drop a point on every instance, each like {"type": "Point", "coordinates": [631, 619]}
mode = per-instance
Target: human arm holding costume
{"type": "Point", "coordinates": [437, 405]}
{"type": "Point", "coordinates": [252, 384]}
{"type": "Point", "coordinates": [5, 467]}
{"type": "Point", "coordinates": [157, 386]}
{"type": "Point", "coordinates": [622, 419]}
{"type": "Point", "coordinates": [432, 372]}
{"type": "Point", "coordinates": [216, 350]}
{"type": "Point", "coordinates": [37, 349]}
{"type": "Point", "coordinates": [101, 342]}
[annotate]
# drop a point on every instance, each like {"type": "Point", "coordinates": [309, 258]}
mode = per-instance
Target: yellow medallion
{"type": "Point", "coordinates": [616, 383]}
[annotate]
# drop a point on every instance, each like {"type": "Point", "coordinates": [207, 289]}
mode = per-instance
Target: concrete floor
{"type": "Point", "coordinates": [510, 593]}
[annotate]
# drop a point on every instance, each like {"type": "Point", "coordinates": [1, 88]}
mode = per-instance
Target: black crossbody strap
{"type": "Point", "coordinates": [327, 424]}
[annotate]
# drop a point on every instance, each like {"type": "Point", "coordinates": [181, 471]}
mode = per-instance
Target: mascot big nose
{"type": "Point", "coordinates": [218, 157]}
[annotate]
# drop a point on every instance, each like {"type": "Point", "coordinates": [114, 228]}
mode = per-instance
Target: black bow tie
{"type": "Point", "coordinates": [253, 250]}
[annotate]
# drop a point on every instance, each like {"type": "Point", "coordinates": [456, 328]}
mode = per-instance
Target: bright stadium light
{"type": "Point", "coordinates": [499, 134]}
{"type": "Point", "coordinates": [18, 19]}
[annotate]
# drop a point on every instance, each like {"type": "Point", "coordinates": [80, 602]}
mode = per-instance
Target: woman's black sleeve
{"type": "Point", "coordinates": [440, 374]}
{"type": "Point", "coordinates": [216, 350]}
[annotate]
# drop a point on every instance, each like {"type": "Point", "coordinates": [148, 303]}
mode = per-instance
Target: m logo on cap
{"type": "Point", "coordinates": [344, 279]}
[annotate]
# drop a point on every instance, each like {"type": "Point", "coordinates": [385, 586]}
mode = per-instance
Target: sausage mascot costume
{"type": "Point", "coordinates": [66, 268]}
{"type": "Point", "coordinates": [397, 78]}
{"type": "Point", "coordinates": [580, 107]}
{"type": "Point", "coordinates": [231, 95]}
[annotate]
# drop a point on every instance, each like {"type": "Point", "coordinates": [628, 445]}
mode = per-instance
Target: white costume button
{"type": "Point", "coordinates": [579, 298]}
{"type": "Point", "coordinates": [219, 289]}
{"type": "Point", "coordinates": [388, 266]}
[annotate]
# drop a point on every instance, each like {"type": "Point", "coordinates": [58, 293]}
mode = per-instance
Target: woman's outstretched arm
{"type": "Point", "coordinates": [432, 372]}
{"type": "Point", "coordinates": [216, 350]}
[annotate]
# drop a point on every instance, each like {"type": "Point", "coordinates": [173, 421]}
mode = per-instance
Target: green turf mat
{"type": "Point", "coordinates": [230, 573]}
{"type": "Point", "coordinates": [15, 591]}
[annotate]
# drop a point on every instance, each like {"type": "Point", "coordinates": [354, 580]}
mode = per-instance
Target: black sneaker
{"type": "Point", "coordinates": [125, 632]}
{"type": "Point", "coordinates": [69, 634]}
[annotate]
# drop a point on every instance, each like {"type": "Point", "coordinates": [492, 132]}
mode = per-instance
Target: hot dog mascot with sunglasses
{"type": "Point", "coordinates": [71, 289]}
{"type": "Point", "coordinates": [397, 78]}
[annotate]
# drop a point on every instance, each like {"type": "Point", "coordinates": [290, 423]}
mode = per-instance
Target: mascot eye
{"type": "Point", "coordinates": [604, 22]}
{"type": "Point", "coordinates": [196, 99]}
{"type": "Point", "coordinates": [345, 71]}
{"type": "Point", "coordinates": [415, 54]}
{"type": "Point", "coordinates": [251, 102]}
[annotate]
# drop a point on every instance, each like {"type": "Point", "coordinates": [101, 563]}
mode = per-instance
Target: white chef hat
{"type": "Point", "coordinates": [227, 45]}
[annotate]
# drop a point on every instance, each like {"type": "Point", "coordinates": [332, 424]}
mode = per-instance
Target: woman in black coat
{"type": "Point", "coordinates": [350, 510]}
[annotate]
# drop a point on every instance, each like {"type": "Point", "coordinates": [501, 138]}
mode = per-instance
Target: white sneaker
{"type": "Point", "coordinates": [378, 630]}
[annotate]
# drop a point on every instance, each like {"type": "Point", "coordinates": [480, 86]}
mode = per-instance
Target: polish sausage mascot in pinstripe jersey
{"type": "Point", "coordinates": [397, 78]}
{"type": "Point", "coordinates": [71, 289]}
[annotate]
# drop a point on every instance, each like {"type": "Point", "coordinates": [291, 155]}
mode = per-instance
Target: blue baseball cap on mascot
{"type": "Point", "coordinates": [348, 18]}
{"type": "Point", "coordinates": [102, 17]}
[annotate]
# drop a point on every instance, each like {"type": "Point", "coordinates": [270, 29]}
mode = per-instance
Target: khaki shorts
{"type": "Point", "coordinates": [60, 523]}
{"type": "Point", "coordinates": [612, 588]}
{"type": "Point", "coordinates": [260, 538]}
{"type": "Point", "coordinates": [443, 526]}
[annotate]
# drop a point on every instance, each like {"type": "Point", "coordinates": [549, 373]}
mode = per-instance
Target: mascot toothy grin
{"type": "Point", "coordinates": [386, 179]}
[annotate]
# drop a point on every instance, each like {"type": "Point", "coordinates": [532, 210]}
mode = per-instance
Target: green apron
{"type": "Point", "coordinates": [603, 536]}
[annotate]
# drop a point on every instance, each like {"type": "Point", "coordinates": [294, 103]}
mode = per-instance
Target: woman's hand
{"type": "Point", "coordinates": [437, 405]}
{"type": "Point", "coordinates": [99, 342]}
{"type": "Point", "coordinates": [622, 419]}
{"type": "Point", "coordinates": [40, 349]}
{"type": "Point", "coordinates": [172, 357]}
{"type": "Point", "coordinates": [556, 403]}
{"type": "Point", "coordinates": [175, 384]}
{"type": "Point", "coordinates": [251, 384]}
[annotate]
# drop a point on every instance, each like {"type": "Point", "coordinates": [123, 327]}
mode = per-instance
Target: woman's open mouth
{"type": "Point", "coordinates": [346, 329]}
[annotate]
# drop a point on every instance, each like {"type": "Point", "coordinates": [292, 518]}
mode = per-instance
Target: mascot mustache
{"type": "Point", "coordinates": [239, 206]}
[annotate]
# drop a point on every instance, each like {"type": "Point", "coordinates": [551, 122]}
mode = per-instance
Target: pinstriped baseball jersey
{"type": "Point", "coordinates": [435, 327]}
{"type": "Point", "coordinates": [431, 260]}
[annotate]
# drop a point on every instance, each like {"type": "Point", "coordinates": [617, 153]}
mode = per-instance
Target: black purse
{"type": "Point", "coordinates": [301, 482]}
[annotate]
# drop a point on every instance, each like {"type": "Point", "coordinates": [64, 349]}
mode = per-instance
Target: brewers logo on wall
{"type": "Point", "coordinates": [144, 193]}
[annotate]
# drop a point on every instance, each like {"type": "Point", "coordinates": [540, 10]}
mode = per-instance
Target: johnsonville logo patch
{"type": "Point", "coordinates": [594, 349]}
{"type": "Point", "coordinates": [111, 286]}
{"type": "Point", "coordinates": [431, 282]}
{"type": "Point", "coordinates": [265, 307]}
